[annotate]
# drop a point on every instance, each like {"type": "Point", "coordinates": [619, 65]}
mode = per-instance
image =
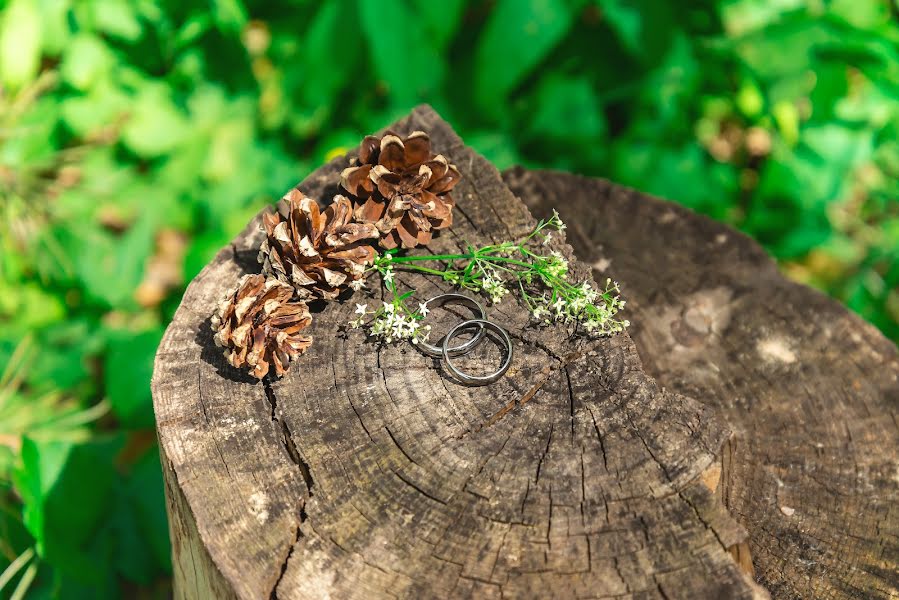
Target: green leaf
{"type": "Point", "coordinates": [643, 26]}
{"type": "Point", "coordinates": [20, 43]}
{"type": "Point", "coordinates": [567, 110]}
{"type": "Point", "coordinates": [518, 36]}
{"type": "Point", "coordinates": [55, 25]}
{"type": "Point", "coordinates": [226, 146]}
{"type": "Point", "coordinates": [28, 306]}
{"type": "Point", "coordinates": [627, 20]}
{"type": "Point", "coordinates": [497, 147]}
{"type": "Point", "coordinates": [230, 15]}
{"type": "Point", "coordinates": [743, 16]}
{"type": "Point", "coordinates": [156, 125]}
{"type": "Point", "coordinates": [109, 268]}
{"type": "Point", "coordinates": [117, 18]}
{"type": "Point", "coordinates": [683, 173]}
{"type": "Point", "coordinates": [202, 249]}
{"type": "Point", "coordinates": [409, 65]}
{"type": "Point", "coordinates": [103, 105]}
{"type": "Point", "coordinates": [66, 489]}
{"type": "Point", "coordinates": [333, 37]}
{"type": "Point", "coordinates": [42, 466]}
{"type": "Point", "coordinates": [145, 489]}
{"type": "Point", "coordinates": [132, 556]}
{"type": "Point", "coordinates": [85, 61]}
{"type": "Point", "coordinates": [127, 369]}
{"type": "Point", "coordinates": [864, 14]}
{"type": "Point", "coordinates": [440, 19]}
{"type": "Point", "coordinates": [28, 149]}
{"type": "Point", "coordinates": [786, 115]}
{"type": "Point", "coordinates": [70, 346]}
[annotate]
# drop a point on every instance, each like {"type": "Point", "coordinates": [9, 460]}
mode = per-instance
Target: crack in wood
{"type": "Point", "coordinates": [287, 440]}
{"type": "Point", "coordinates": [293, 452]}
{"type": "Point", "coordinates": [273, 595]}
{"type": "Point", "coordinates": [570, 398]}
{"type": "Point", "coordinates": [397, 444]}
{"type": "Point", "coordinates": [419, 489]}
{"type": "Point", "coordinates": [549, 440]}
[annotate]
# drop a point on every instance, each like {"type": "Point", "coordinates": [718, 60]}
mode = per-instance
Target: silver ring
{"type": "Point", "coordinates": [473, 380]}
{"type": "Point", "coordinates": [438, 351]}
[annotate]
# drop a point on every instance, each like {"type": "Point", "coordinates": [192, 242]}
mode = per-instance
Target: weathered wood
{"type": "Point", "coordinates": [365, 473]}
{"type": "Point", "coordinates": [810, 389]}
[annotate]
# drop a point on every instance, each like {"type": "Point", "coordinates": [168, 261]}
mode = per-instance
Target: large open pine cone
{"type": "Point", "coordinates": [259, 326]}
{"type": "Point", "coordinates": [401, 187]}
{"type": "Point", "coordinates": [319, 253]}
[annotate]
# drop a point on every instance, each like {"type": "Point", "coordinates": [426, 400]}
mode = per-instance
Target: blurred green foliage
{"type": "Point", "coordinates": [137, 137]}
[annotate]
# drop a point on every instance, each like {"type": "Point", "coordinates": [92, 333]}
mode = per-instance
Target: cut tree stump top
{"type": "Point", "coordinates": [810, 390]}
{"type": "Point", "coordinates": [366, 473]}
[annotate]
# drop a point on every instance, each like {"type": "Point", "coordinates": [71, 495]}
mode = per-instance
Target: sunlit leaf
{"type": "Point", "coordinates": [117, 18]}
{"type": "Point", "coordinates": [20, 42]}
{"type": "Point", "coordinates": [229, 14]}
{"type": "Point", "coordinates": [155, 125]}
{"type": "Point", "coordinates": [55, 27]}
{"type": "Point", "coordinates": [86, 59]}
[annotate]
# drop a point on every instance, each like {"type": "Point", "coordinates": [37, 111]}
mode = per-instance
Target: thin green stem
{"type": "Point", "coordinates": [404, 259]}
{"type": "Point", "coordinates": [425, 270]}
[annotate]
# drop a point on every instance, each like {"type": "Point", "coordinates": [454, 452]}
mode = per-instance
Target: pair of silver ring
{"type": "Point", "coordinates": [446, 350]}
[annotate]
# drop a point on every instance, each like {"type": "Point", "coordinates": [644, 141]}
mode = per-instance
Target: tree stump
{"type": "Point", "coordinates": [809, 388]}
{"type": "Point", "coordinates": [366, 473]}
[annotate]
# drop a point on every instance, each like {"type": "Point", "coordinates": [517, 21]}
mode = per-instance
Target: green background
{"type": "Point", "coordinates": [138, 137]}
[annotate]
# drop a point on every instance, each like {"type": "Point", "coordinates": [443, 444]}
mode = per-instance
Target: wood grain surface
{"type": "Point", "coordinates": [367, 473]}
{"type": "Point", "coordinates": [810, 390]}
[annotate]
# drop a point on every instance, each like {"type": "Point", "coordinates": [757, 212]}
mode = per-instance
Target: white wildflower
{"type": "Point", "coordinates": [556, 221]}
{"type": "Point", "coordinates": [361, 309]}
{"type": "Point", "coordinates": [494, 288]}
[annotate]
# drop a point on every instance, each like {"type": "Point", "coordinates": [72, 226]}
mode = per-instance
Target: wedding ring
{"type": "Point", "coordinates": [464, 348]}
{"type": "Point", "coordinates": [475, 380]}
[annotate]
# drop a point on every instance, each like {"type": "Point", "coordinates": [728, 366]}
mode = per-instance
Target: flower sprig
{"type": "Point", "coordinates": [393, 320]}
{"type": "Point", "coordinates": [541, 278]}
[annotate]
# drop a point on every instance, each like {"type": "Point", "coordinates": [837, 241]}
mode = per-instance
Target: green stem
{"type": "Point", "coordinates": [425, 270]}
{"type": "Point", "coordinates": [510, 261]}
{"type": "Point", "coordinates": [403, 259]}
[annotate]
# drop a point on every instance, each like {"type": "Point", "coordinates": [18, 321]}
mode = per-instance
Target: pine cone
{"type": "Point", "coordinates": [259, 325]}
{"type": "Point", "coordinates": [401, 187]}
{"type": "Point", "coordinates": [319, 253]}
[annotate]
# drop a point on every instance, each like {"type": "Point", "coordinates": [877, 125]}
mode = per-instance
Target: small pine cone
{"type": "Point", "coordinates": [401, 187]}
{"type": "Point", "coordinates": [318, 253]}
{"type": "Point", "coordinates": [259, 326]}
